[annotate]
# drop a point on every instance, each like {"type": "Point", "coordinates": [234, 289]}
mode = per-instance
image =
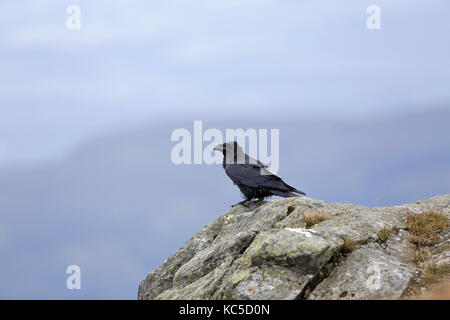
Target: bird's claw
{"type": "Point", "coordinates": [242, 203]}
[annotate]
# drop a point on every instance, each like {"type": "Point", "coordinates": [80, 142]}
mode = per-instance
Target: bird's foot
{"type": "Point", "coordinates": [242, 203]}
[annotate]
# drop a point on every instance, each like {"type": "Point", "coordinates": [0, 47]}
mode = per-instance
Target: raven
{"type": "Point", "coordinates": [253, 178]}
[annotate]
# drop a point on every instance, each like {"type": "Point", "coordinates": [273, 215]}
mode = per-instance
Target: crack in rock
{"type": "Point", "coordinates": [265, 251]}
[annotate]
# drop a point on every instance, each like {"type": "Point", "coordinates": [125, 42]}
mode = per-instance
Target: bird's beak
{"type": "Point", "coordinates": [219, 147]}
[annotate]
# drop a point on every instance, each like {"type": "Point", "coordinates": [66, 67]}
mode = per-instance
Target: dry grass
{"type": "Point", "coordinates": [435, 273]}
{"type": "Point", "coordinates": [422, 255]}
{"type": "Point", "coordinates": [384, 234]}
{"type": "Point", "coordinates": [290, 209]}
{"type": "Point", "coordinates": [426, 226]}
{"type": "Point", "coordinates": [313, 218]}
{"type": "Point", "coordinates": [349, 246]}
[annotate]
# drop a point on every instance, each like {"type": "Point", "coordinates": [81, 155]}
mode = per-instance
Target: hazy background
{"type": "Point", "coordinates": [86, 117]}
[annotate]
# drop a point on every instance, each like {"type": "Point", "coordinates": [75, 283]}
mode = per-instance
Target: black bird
{"type": "Point", "coordinates": [253, 178]}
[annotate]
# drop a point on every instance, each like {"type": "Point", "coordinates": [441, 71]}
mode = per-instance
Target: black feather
{"type": "Point", "coordinates": [252, 177]}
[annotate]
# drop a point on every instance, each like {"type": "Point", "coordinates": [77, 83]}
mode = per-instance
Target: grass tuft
{"type": "Point", "coordinates": [425, 227]}
{"type": "Point", "coordinates": [384, 234]}
{"type": "Point", "coordinates": [290, 209]}
{"type": "Point", "coordinates": [313, 218]}
{"type": "Point", "coordinates": [434, 273]}
{"type": "Point", "coordinates": [349, 246]}
{"type": "Point", "coordinates": [422, 255]}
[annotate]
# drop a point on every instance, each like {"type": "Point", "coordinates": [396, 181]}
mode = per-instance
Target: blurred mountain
{"type": "Point", "coordinates": [117, 206]}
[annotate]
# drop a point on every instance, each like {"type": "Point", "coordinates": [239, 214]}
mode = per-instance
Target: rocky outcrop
{"type": "Point", "coordinates": [266, 251]}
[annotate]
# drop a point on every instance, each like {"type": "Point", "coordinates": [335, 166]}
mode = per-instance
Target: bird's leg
{"type": "Point", "coordinates": [242, 202]}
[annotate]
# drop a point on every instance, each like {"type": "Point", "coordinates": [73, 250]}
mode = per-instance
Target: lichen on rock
{"type": "Point", "coordinates": [266, 251]}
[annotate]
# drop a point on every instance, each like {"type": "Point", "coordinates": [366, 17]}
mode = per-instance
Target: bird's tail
{"type": "Point", "coordinates": [287, 194]}
{"type": "Point", "coordinates": [299, 192]}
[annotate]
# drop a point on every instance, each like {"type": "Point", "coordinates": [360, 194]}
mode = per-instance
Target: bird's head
{"type": "Point", "coordinates": [230, 147]}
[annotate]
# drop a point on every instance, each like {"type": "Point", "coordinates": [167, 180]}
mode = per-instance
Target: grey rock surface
{"type": "Point", "coordinates": [265, 251]}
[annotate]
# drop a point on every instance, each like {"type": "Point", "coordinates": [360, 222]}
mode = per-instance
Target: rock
{"type": "Point", "coordinates": [265, 251]}
{"type": "Point", "coordinates": [278, 264]}
{"type": "Point", "coordinates": [368, 272]}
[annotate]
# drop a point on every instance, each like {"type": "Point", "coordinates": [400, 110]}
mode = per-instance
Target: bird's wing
{"type": "Point", "coordinates": [265, 170]}
{"type": "Point", "coordinates": [250, 175]}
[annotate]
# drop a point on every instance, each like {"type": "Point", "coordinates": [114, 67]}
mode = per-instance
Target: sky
{"type": "Point", "coordinates": [135, 61]}
{"type": "Point", "coordinates": [83, 112]}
